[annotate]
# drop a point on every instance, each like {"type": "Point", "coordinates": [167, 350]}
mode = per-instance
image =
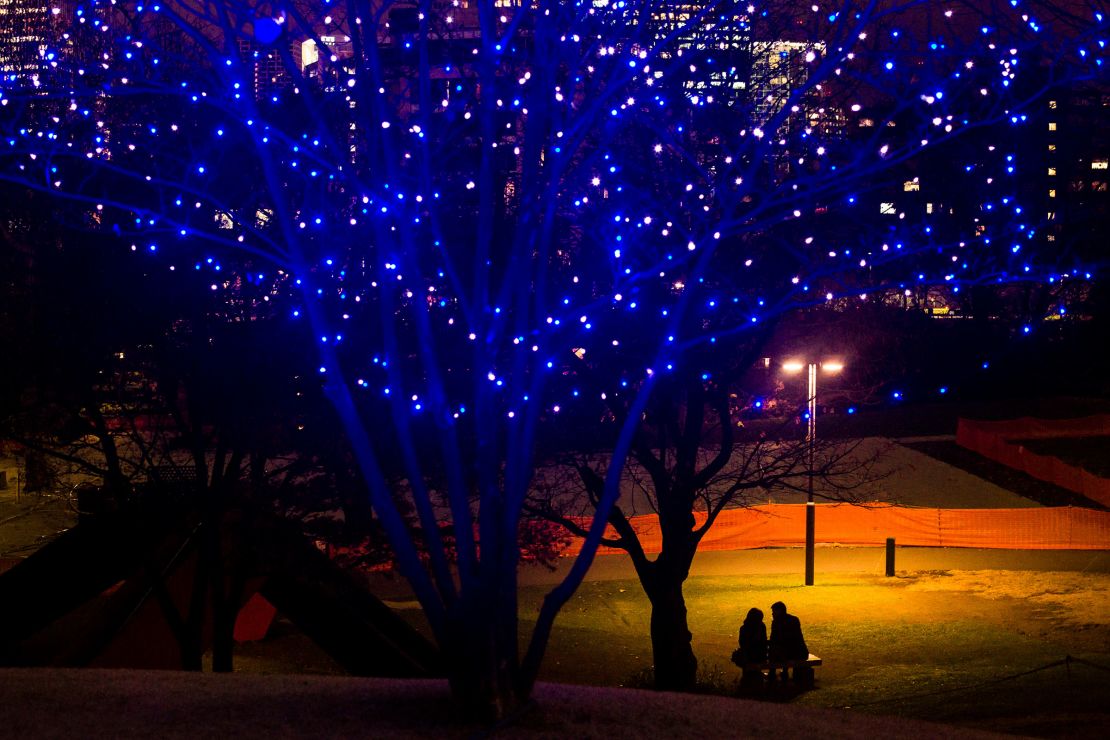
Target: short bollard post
{"type": "Point", "coordinates": [889, 556]}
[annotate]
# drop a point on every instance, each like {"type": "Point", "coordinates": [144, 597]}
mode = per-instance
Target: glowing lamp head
{"type": "Point", "coordinates": [832, 366]}
{"type": "Point", "coordinates": [793, 366]}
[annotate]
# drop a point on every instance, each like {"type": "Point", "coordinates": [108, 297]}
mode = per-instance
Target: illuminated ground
{"type": "Point", "coordinates": [942, 640]}
{"type": "Point", "coordinates": [955, 621]}
{"type": "Point", "coordinates": [28, 521]}
{"type": "Point", "coordinates": [889, 645]}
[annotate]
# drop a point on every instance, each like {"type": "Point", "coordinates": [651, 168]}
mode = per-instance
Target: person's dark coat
{"type": "Point", "coordinates": [787, 642]}
{"type": "Point", "coordinates": [753, 642]}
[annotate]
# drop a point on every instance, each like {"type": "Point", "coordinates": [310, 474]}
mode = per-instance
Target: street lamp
{"type": "Point", "coordinates": [796, 366]}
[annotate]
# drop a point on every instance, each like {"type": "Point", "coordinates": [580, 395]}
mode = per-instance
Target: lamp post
{"type": "Point", "coordinates": [795, 366]}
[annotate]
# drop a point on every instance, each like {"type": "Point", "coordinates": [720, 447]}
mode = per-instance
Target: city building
{"type": "Point", "coordinates": [24, 27]}
{"type": "Point", "coordinates": [1075, 142]}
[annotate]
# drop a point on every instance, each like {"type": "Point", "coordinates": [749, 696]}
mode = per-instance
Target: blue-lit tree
{"type": "Point", "coordinates": [464, 202]}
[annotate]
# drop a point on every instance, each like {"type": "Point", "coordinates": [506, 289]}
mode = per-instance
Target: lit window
{"type": "Point", "coordinates": [1052, 104]}
{"type": "Point", "coordinates": [911, 186]}
{"type": "Point", "coordinates": [866, 123]}
{"type": "Point", "coordinates": [1051, 147]}
{"type": "Point", "coordinates": [886, 209]}
{"type": "Point", "coordinates": [1052, 193]}
{"type": "Point", "coordinates": [1099, 164]}
{"type": "Point", "coordinates": [1051, 216]}
{"type": "Point", "coordinates": [1051, 237]}
{"type": "Point", "coordinates": [1052, 125]}
{"type": "Point", "coordinates": [1052, 172]}
{"type": "Point", "coordinates": [928, 208]}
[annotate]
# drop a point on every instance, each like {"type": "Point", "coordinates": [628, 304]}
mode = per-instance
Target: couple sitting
{"type": "Point", "coordinates": [786, 647]}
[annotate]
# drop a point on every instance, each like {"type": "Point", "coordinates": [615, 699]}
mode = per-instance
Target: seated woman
{"type": "Point", "coordinates": [753, 647]}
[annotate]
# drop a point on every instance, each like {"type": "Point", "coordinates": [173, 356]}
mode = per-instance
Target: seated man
{"type": "Point", "coordinates": [787, 643]}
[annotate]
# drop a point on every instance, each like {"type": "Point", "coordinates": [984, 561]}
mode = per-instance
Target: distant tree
{"type": "Point", "coordinates": [691, 458]}
{"type": "Point", "coordinates": [462, 202]}
{"type": "Point", "coordinates": [137, 406]}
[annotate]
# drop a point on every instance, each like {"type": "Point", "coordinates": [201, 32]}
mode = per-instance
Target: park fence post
{"type": "Point", "coordinates": [889, 556]}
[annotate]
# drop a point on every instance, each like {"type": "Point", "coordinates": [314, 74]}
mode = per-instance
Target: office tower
{"type": "Point", "coordinates": [24, 26]}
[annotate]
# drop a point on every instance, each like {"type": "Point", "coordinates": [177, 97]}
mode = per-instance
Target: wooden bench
{"type": "Point", "coordinates": [811, 662]}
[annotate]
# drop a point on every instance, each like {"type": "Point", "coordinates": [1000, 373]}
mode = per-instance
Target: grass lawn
{"type": "Point", "coordinates": [932, 645]}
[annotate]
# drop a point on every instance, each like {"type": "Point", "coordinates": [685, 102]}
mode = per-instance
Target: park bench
{"type": "Point", "coordinates": [794, 665]}
{"type": "Point", "coordinates": [811, 662]}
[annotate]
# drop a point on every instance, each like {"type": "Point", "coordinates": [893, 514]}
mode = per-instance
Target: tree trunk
{"type": "Point", "coordinates": [676, 667]}
{"type": "Point", "coordinates": [481, 672]}
{"type": "Point", "coordinates": [192, 634]}
{"type": "Point", "coordinates": [223, 643]}
{"type": "Point", "coordinates": [38, 475]}
{"type": "Point", "coordinates": [225, 610]}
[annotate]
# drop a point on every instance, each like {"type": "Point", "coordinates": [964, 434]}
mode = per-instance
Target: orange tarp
{"type": "Point", "coordinates": [992, 439]}
{"type": "Point", "coordinates": [780, 525]}
{"type": "Point", "coordinates": [254, 619]}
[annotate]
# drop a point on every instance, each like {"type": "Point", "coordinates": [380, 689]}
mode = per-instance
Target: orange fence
{"type": "Point", "coordinates": [992, 439]}
{"type": "Point", "coordinates": [780, 525]}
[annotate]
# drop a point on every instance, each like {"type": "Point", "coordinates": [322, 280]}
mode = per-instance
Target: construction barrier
{"type": "Point", "coordinates": [994, 440]}
{"type": "Point", "coordinates": [783, 525]}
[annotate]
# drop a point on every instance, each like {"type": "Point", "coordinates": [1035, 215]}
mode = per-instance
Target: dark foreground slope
{"type": "Point", "coordinates": [95, 703]}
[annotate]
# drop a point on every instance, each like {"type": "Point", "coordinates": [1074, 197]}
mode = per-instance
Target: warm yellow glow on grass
{"type": "Point", "coordinates": [881, 638]}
